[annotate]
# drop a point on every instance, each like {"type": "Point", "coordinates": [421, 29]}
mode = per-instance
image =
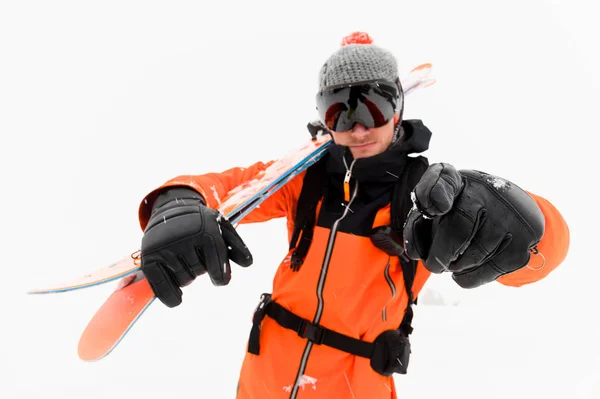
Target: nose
{"type": "Point", "coordinates": [359, 130]}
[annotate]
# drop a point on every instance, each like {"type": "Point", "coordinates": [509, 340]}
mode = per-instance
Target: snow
{"type": "Point", "coordinates": [215, 194]}
{"type": "Point", "coordinates": [305, 381]}
{"type": "Point", "coordinates": [102, 103]}
{"type": "Point", "coordinates": [497, 182]}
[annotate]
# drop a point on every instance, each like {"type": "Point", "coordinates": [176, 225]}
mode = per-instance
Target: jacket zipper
{"type": "Point", "coordinates": [321, 284]}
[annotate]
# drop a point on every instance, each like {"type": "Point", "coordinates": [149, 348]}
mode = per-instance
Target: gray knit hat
{"type": "Point", "coordinates": [358, 60]}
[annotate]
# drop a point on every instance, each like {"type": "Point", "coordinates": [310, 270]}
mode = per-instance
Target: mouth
{"type": "Point", "coordinates": [363, 145]}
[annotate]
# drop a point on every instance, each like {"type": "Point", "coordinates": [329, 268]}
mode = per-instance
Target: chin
{"type": "Point", "coordinates": [366, 152]}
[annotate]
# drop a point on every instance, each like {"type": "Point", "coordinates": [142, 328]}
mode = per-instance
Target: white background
{"type": "Point", "coordinates": [100, 102]}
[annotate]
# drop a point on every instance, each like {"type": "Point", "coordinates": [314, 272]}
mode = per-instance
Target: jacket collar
{"type": "Point", "coordinates": [387, 166]}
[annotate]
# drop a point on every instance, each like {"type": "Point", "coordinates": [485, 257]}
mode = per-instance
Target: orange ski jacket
{"type": "Point", "coordinates": [353, 287]}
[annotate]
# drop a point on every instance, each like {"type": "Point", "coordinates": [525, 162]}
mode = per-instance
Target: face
{"type": "Point", "coordinates": [365, 142]}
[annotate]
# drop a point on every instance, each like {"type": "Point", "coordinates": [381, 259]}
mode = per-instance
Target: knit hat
{"type": "Point", "coordinates": [358, 60]}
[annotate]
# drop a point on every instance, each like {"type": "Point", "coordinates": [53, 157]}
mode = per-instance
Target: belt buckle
{"type": "Point", "coordinates": [310, 331]}
{"type": "Point", "coordinates": [261, 308]}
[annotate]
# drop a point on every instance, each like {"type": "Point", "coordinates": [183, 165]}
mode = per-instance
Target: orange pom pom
{"type": "Point", "coordinates": [357, 38]}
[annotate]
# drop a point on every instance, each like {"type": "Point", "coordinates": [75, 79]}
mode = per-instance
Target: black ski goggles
{"type": "Point", "coordinates": [372, 104]}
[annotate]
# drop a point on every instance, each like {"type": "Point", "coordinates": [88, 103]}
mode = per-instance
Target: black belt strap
{"type": "Point", "coordinates": [317, 334]}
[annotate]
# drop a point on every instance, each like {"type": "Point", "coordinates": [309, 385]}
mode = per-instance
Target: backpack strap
{"type": "Point", "coordinates": [400, 207]}
{"type": "Point", "coordinates": [313, 187]}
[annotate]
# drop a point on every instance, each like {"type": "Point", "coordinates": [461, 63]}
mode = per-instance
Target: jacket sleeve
{"type": "Point", "coordinates": [552, 248]}
{"type": "Point", "coordinates": [214, 187]}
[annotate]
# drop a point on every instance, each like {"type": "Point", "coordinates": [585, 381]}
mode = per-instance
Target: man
{"type": "Point", "coordinates": [367, 225]}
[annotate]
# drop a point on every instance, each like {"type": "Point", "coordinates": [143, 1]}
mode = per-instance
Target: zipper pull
{"type": "Point", "coordinates": [347, 185]}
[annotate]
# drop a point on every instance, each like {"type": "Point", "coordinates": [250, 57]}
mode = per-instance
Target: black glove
{"type": "Point", "coordinates": [470, 223]}
{"type": "Point", "coordinates": [185, 239]}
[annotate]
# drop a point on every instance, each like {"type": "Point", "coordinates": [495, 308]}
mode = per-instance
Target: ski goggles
{"type": "Point", "coordinates": [372, 104]}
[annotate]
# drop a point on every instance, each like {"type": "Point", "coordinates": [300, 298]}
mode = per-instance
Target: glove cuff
{"type": "Point", "coordinates": [176, 193]}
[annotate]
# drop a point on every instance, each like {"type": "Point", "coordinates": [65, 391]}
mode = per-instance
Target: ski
{"type": "Point", "coordinates": [127, 303]}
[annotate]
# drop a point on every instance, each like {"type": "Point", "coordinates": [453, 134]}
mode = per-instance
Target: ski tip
{"type": "Point", "coordinates": [121, 269]}
{"type": "Point", "coordinates": [422, 67]}
{"type": "Point", "coordinates": [113, 320]}
{"type": "Point", "coordinates": [45, 291]}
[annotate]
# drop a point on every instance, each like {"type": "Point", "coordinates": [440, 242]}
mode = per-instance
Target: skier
{"type": "Point", "coordinates": [367, 225]}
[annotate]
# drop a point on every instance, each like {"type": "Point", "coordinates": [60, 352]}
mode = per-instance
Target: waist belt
{"type": "Point", "coordinates": [305, 329]}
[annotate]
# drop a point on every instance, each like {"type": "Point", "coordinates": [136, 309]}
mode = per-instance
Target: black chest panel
{"type": "Point", "coordinates": [361, 211]}
{"type": "Point", "coordinates": [375, 182]}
